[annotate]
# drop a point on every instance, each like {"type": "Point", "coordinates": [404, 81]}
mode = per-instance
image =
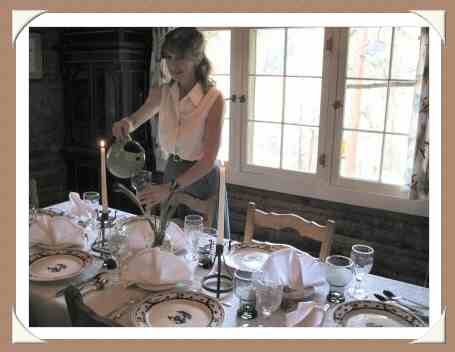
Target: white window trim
{"type": "Point", "coordinates": [319, 186]}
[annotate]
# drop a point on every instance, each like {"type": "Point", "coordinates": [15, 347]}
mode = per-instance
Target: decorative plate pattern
{"type": "Point", "coordinates": [178, 309]}
{"type": "Point", "coordinates": [365, 313]}
{"type": "Point", "coordinates": [58, 264]}
{"type": "Point", "coordinates": [250, 256]}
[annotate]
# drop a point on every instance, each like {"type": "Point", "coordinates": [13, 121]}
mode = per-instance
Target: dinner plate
{"type": "Point", "coordinates": [367, 313]}
{"type": "Point", "coordinates": [178, 309]}
{"type": "Point", "coordinates": [156, 288]}
{"type": "Point", "coordinates": [250, 256]}
{"type": "Point", "coordinates": [55, 265]}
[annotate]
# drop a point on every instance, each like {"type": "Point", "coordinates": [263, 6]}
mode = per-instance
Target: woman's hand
{"type": "Point", "coordinates": [121, 129]}
{"type": "Point", "coordinates": [152, 195]}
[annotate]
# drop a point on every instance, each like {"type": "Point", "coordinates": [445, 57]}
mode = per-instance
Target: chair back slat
{"type": "Point", "coordinates": [304, 227]}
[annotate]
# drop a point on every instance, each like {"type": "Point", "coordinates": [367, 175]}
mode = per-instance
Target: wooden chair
{"type": "Point", "coordinates": [82, 315]}
{"type": "Point", "coordinates": [305, 228]}
{"type": "Point", "coordinates": [204, 207]}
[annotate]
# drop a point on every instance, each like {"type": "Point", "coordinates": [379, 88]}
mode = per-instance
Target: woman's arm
{"type": "Point", "coordinates": [157, 193]}
{"type": "Point", "coordinates": [149, 109]}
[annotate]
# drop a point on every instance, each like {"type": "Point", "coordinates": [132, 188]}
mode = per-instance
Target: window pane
{"type": "Point", "coordinates": [361, 155]}
{"type": "Point", "coordinates": [223, 83]}
{"type": "Point", "coordinates": [218, 50]}
{"type": "Point", "coordinates": [406, 49]}
{"type": "Point", "coordinates": [300, 147]}
{"type": "Point", "coordinates": [267, 100]}
{"type": "Point", "coordinates": [305, 51]}
{"type": "Point", "coordinates": [364, 106]}
{"type": "Point", "coordinates": [369, 52]}
{"type": "Point", "coordinates": [303, 100]}
{"type": "Point", "coordinates": [395, 159]}
{"type": "Point", "coordinates": [264, 140]}
{"type": "Point", "coordinates": [269, 50]}
{"type": "Point", "coordinates": [401, 107]}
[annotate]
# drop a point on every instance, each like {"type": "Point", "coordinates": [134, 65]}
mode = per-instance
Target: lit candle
{"type": "Point", "coordinates": [221, 202]}
{"type": "Point", "coordinates": [103, 177]}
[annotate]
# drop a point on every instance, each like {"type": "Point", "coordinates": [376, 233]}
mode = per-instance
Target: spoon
{"type": "Point", "coordinates": [393, 297]}
{"type": "Point", "coordinates": [100, 284]}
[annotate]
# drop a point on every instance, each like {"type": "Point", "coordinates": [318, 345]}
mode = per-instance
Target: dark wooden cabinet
{"type": "Point", "coordinates": [105, 74]}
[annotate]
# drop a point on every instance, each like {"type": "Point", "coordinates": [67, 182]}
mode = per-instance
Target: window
{"type": "Point", "coordinates": [284, 83]}
{"type": "Point", "coordinates": [218, 50]}
{"type": "Point", "coordinates": [379, 103]}
{"type": "Point", "coordinates": [326, 109]}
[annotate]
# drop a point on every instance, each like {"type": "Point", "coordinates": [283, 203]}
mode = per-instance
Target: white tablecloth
{"type": "Point", "coordinates": [48, 310]}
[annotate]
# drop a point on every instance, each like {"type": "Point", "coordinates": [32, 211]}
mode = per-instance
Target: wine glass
{"type": "Point", "coordinates": [244, 290]}
{"type": "Point", "coordinates": [118, 246]}
{"type": "Point", "coordinates": [140, 179]}
{"type": "Point", "coordinates": [92, 199]}
{"type": "Point", "coordinates": [339, 271]}
{"type": "Point", "coordinates": [269, 293]}
{"type": "Point", "coordinates": [362, 257]}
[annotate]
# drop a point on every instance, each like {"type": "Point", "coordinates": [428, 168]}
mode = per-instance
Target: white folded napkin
{"type": "Point", "coordinates": [56, 231]}
{"type": "Point", "coordinates": [294, 269]}
{"type": "Point", "coordinates": [154, 267]}
{"type": "Point", "coordinates": [79, 208]}
{"type": "Point", "coordinates": [176, 236]}
{"type": "Point", "coordinates": [298, 271]}
{"type": "Point", "coordinates": [305, 311]}
{"type": "Point", "coordinates": [139, 232]}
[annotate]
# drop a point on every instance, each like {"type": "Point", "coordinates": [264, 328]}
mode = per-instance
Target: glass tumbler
{"type": "Point", "coordinates": [92, 199]}
{"type": "Point", "coordinates": [245, 292]}
{"type": "Point", "coordinates": [339, 272]}
{"type": "Point", "coordinates": [269, 293]}
{"type": "Point", "coordinates": [193, 229]}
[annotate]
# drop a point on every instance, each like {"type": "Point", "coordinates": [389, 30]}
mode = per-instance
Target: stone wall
{"type": "Point", "coordinates": [46, 124]}
{"type": "Point", "coordinates": [400, 240]}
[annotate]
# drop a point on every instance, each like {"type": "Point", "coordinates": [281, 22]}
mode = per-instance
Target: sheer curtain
{"type": "Point", "coordinates": [418, 157]}
{"type": "Point", "coordinates": [158, 75]}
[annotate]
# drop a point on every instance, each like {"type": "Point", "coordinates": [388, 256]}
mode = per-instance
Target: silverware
{"type": "Point", "coordinates": [80, 285]}
{"type": "Point", "coordinates": [100, 284]}
{"type": "Point", "coordinates": [390, 295]}
{"type": "Point", "coordinates": [118, 312]}
{"type": "Point", "coordinates": [418, 313]}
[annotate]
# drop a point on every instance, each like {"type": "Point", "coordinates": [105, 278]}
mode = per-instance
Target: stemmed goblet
{"type": "Point", "coordinates": [362, 257]}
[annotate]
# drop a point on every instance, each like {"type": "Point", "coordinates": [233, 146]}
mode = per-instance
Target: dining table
{"type": "Point", "coordinates": [48, 309]}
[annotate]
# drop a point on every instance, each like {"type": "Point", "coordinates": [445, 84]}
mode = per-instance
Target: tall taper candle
{"type": "Point", "coordinates": [221, 202]}
{"type": "Point", "coordinates": [103, 177]}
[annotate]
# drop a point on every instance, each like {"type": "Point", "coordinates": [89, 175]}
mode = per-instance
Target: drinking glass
{"type": "Point", "coordinates": [92, 199]}
{"type": "Point", "coordinates": [362, 256]}
{"type": "Point", "coordinates": [245, 292]}
{"type": "Point", "coordinates": [269, 293]}
{"type": "Point", "coordinates": [140, 179]}
{"type": "Point", "coordinates": [193, 229]}
{"type": "Point", "coordinates": [339, 272]}
{"type": "Point", "coordinates": [118, 246]}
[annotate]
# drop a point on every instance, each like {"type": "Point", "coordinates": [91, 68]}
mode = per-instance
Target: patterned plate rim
{"type": "Point", "coordinates": [215, 307]}
{"type": "Point", "coordinates": [86, 258]}
{"type": "Point", "coordinates": [265, 246]}
{"type": "Point", "coordinates": [345, 308]}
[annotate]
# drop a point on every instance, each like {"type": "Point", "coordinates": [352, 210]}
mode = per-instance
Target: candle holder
{"type": "Point", "coordinates": [106, 222]}
{"type": "Point", "coordinates": [219, 280]}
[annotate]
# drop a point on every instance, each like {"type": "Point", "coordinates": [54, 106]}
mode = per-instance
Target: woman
{"type": "Point", "coordinates": [191, 115]}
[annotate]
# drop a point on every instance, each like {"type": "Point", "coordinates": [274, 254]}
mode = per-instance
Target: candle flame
{"type": "Point", "coordinates": [102, 143]}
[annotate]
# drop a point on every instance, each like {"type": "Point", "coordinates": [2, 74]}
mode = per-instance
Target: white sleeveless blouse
{"type": "Point", "coordinates": [182, 124]}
